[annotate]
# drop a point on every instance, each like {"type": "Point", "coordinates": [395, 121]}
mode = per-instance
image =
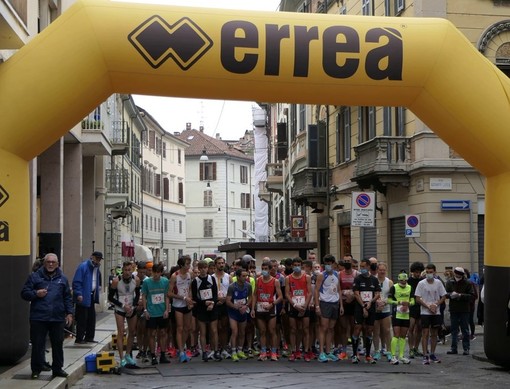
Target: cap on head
{"type": "Point", "coordinates": [97, 254]}
{"type": "Point", "coordinates": [149, 265]}
{"type": "Point", "coordinates": [459, 271]}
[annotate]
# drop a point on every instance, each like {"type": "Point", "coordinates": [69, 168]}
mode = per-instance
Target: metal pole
{"type": "Point", "coordinates": [424, 249]}
{"type": "Point", "coordinates": [471, 240]}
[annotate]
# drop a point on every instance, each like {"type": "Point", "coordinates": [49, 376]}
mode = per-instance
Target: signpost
{"type": "Point", "coordinates": [412, 226]}
{"type": "Point", "coordinates": [363, 209]}
{"type": "Point", "coordinates": [455, 205]}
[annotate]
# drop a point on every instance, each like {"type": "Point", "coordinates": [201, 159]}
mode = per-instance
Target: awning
{"type": "Point", "coordinates": [143, 253]}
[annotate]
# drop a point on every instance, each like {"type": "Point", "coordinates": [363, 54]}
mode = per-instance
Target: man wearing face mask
{"type": "Point", "coordinates": [460, 292]}
{"type": "Point", "coordinates": [328, 305]}
{"type": "Point", "coordinates": [373, 266]}
{"type": "Point", "coordinates": [366, 292]}
{"type": "Point", "coordinates": [86, 290]}
{"type": "Point", "coordinates": [430, 294]}
{"type": "Point", "coordinates": [298, 289]}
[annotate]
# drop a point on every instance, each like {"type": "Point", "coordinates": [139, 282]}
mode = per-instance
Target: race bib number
{"type": "Point", "coordinates": [366, 296]}
{"type": "Point", "coordinates": [240, 301]}
{"type": "Point", "coordinates": [221, 294]}
{"type": "Point", "coordinates": [298, 300]}
{"type": "Point", "coordinates": [206, 294]}
{"type": "Point", "coordinates": [261, 307]}
{"type": "Point", "coordinates": [158, 298]}
{"type": "Point", "coordinates": [402, 309]}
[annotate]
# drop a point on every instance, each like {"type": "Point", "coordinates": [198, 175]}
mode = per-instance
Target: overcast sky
{"type": "Point", "coordinates": [229, 118]}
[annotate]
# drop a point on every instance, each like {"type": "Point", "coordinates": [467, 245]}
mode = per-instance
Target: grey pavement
{"type": "Point", "coordinates": [18, 376]}
{"type": "Point", "coordinates": [475, 369]}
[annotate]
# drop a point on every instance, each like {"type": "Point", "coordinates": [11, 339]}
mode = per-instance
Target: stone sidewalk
{"type": "Point", "coordinates": [18, 377]}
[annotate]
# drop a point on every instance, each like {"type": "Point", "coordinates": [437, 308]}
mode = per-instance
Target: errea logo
{"type": "Point", "coordinates": [183, 41]}
{"type": "Point", "coordinates": [243, 48]}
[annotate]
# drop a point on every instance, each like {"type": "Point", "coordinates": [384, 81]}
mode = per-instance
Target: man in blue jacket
{"type": "Point", "coordinates": [86, 289]}
{"type": "Point", "coordinates": [51, 308]}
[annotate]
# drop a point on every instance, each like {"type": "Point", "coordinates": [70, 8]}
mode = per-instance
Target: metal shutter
{"type": "Point", "coordinates": [369, 242]}
{"type": "Point", "coordinates": [399, 247]}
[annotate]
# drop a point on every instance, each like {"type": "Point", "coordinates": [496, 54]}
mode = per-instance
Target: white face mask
{"type": "Point", "coordinates": [457, 278]}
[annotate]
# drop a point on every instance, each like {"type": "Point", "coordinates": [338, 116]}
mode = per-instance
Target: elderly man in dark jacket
{"type": "Point", "coordinates": [51, 308]}
{"type": "Point", "coordinates": [460, 292]}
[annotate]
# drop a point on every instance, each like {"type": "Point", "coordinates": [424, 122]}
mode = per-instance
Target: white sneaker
{"type": "Point", "coordinates": [394, 361]}
{"type": "Point", "coordinates": [405, 361]}
{"type": "Point", "coordinates": [225, 354]}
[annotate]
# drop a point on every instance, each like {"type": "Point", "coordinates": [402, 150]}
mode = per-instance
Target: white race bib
{"type": "Point", "coordinates": [240, 301]}
{"type": "Point", "coordinates": [206, 294]}
{"type": "Point", "coordinates": [298, 300]}
{"type": "Point", "coordinates": [366, 296]}
{"type": "Point", "coordinates": [158, 298]}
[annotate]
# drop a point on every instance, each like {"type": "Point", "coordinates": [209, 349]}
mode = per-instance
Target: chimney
{"type": "Point", "coordinates": [177, 133]}
{"type": "Point", "coordinates": [188, 126]}
{"type": "Point", "coordinates": [218, 136]}
{"type": "Point", "coordinates": [201, 128]}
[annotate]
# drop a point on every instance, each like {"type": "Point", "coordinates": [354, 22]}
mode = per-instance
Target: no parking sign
{"type": "Point", "coordinates": [412, 226]}
{"type": "Point", "coordinates": [363, 209]}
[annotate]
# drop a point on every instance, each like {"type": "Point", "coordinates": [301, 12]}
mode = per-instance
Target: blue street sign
{"type": "Point", "coordinates": [455, 205]}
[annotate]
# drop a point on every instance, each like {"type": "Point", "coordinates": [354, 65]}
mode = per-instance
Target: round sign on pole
{"type": "Point", "coordinates": [412, 228]}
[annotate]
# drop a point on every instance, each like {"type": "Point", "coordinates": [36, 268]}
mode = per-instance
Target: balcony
{"type": "Point", "coordinates": [93, 137]}
{"type": "Point", "coordinates": [381, 161]}
{"type": "Point", "coordinates": [274, 181]}
{"type": "Point", "coordinates": [119, 139]}
{"type": "Point", "coordinates": [310, 186]}
{"type": "Point", "coordinates": [264, 194]}
{"type": "Point", "coordinates": [117, 186]}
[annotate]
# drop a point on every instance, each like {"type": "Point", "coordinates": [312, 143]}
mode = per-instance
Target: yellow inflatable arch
{"type": "Point", "coordinates": [100, 47]}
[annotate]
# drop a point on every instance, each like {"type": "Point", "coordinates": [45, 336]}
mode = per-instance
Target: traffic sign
{"type": "Point", "coordinates": [363, 209]}
{"type": "Point", "coordinates": [455, 205]}
{"type": "Point", "coordinates": [412, 226]}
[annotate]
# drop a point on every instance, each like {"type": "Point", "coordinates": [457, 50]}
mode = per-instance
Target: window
{"type": "Point", "coordinates": [244, 174]}
{"type": "Point", "coordinates": [394, 121]}
{"type": "Point", "coordinates": [367, 7]}
{"type": "Point", "coordinates": [317, 144]}
{"type": "Point", "coordinates": [281, 143]}
{"type": "Point", "coordinates": [164, 150]}
{"type": "Point", "coordinates": [181, 193]}
{"type": "Point", "coordinates": [152, 139]}
{"type": "Point", "coordinates": [245, 227]}
{"type": "Point", "coordinates": [302, 117]}
{"type": "Point", "coordinates": [180, 226]}
{"type": "Point", "coordinates": [166, 225]}
{"type": "Point", "coordinates": [245, 200]}
{"type": "Point", "coordinates": [366, 123]}
{"type": "Point", "coordinates": [207, 171]}
{"type": "Point", "coordinates": [146, 222]}
{"type": "Point", "coordinates": [208, 228]}
{"type": "Point", "coordinates": [166, 189]}
{"type": "Point", "coordinates": [157, 185]}
{"type": "Point", "coordinates": [343, 135]}
{"type": "Point", "coordinates": [293, 122]}
{"type": "Point", "coordinates": [179, 156]}
{"type": "Point", "coordinates": [208, 198]}
{"type": "Point", "coordinates": [394, 7]}
{"type": "Point", "coordinates": [158, 146]}
{"type": "Point", "coordinates": [150, 224]}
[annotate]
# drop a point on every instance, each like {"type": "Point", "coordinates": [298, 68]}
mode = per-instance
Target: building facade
{"type": "Point", "coordinates": [322, 154]}
{"type": "Point", "coordinates": [219, 193]}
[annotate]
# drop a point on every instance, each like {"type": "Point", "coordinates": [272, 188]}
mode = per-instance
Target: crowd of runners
{"type": "Point", "coordinates": [295, 309]}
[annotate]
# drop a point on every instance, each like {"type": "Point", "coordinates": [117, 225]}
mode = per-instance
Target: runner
{"type": "Point", "coordinates": [239, 300]}
{"type": "Point", "coordinates": [156, 304]}
{"type": "Point", "coordinates": [347, 277]}
{"type": "Point", "coordinates": [268, 295]}
{"type": "Point", "coordinates": [382, 325]}
{"type": "Point", "coordinates": [400, 296]}
{"type": "Point", "coordinates": [414, 333]}
{"type": "Point", "coordinates": [366, 292]}
{"type": "Point", "coordinates": [430, 294]}
{"type": "Point", "coordinates": [223, 280]}
{"type": "Point", "coordinates": [328, 305]}
{"type": "Point", "coordinates": [124, 294]}
{"type": "Point", "coordinates": [298, 290]}
{"type": "Point", "coordinates": [204, 292]}
{"type": "Point", "coordinates": [182, 304]}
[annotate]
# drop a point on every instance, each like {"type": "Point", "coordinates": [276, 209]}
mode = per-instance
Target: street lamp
{"type": "Point", "coordinates": [204, 157]}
